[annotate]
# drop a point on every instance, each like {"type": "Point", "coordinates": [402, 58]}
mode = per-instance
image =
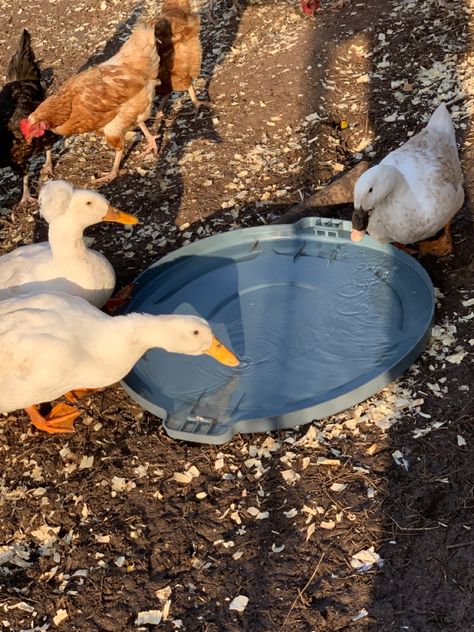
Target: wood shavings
{"type": "Point", "coordinates": [86, 462]}
{"type": "Point", "coordinates": [338, 487]}
{"type": "Point", "coordinates": [163, 594]}
{"type": "Point", "coordinates": [120, 484]}
{"type": "Point", "coordinates": [257, 514]}
{"type": "Point", "coordinates": [360, 615]}
{"type": "Point", "coordinates": [290, 476]}
{"type": "Point", "coordinates": [327, 524]}
{"type": "Point", "coordinates": [186, 477]}
{"type": "Point", "coordinates": [239, 603]}
{"type": "Point", "coordinates": [22, 605]}
{"type": "Point", "coordinates": [331, 462]}
{"type": "Point", "coordinates": [149, 617]}
{"type": "Point", "coordinates": [16, 554]}
{"type": "Point", "coordinates": [373, 449]}
{"type": "Point", "coordinates": [456, 358]}
{"type": "Point", "coordinates": [461, 441]}
{"type": "Point", "coordinates": [310, 530]}
{"type": "Point", "coordinates": [60, 616]}
{"type": "Point", "coordinates": [365, 559]}
{"type": "Point", "coordinates": [400, 459]}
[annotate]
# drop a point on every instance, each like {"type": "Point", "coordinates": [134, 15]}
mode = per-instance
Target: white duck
{"type": "Point", "coordinates": [53, 343]}
{"type": "Point", "coordinates": [64, 264]}
{"type": "Point", "coordinates": [414, 191]}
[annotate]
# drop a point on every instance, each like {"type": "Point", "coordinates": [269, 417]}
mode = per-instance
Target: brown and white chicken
{"type": "Point", "coordinates": [109, 98]}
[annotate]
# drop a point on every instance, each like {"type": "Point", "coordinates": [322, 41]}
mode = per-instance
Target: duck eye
{"type": "Point", "coordinates": [89, 203]}
{"type": "Point", "coordinates": [196, 332]}
{"type": "Point", "coordinates": [371, 189]}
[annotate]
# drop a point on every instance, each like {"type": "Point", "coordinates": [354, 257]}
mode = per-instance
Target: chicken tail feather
{"type": "Point", "coordinates": [23, 64]}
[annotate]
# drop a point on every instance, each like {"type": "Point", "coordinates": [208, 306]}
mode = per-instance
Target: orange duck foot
{"type": "Point", "coordinates": [77, 393]}
{"type": "Point", "coordinates": [59, 419]}
{"type": "Point", "coordinates": [118, 300]}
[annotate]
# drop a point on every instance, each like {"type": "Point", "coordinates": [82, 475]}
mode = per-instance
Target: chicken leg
{"type": "Point", "coordinates": [111, 175]}
{"type": "Point", "coordinates": [151, 140]}
{"type": "Point", "coordinates": [47, 169]}
{"type": "Point", "coordinates": [196, 102]}
{"type": "Point", "coordinates": [60, 419]}
{"type": "Point", "coordinates": [26, 198]}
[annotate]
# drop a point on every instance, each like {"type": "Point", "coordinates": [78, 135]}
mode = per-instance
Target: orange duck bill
{"type": "Point", "coordinates": [115, 215]}
{"type": "Point", "coordinates": [220, 353]}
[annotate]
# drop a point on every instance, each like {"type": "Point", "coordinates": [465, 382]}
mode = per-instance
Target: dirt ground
{"type": "Point", "coordinates": [97, 527]}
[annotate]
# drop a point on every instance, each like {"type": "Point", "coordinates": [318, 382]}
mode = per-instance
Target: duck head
{"type": "Point", "coordinates": [81, 207]}
{"type": "Point", "coordinates": [193, 336]}
{"type": "Point", "coordinates": [371, 189]}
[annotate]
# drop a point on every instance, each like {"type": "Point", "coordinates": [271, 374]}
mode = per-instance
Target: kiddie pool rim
{"type": "Point", "coordinates": [329, 230]}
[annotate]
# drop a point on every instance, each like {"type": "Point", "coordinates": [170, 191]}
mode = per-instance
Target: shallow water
{"type": "Point", "coordinates": [309, 321]}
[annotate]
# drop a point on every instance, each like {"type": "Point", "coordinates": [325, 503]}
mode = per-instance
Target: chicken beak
{"type": "Point", "coordinates": [220, 353]}
{"type": "Point", "coordinates": [114, 215]}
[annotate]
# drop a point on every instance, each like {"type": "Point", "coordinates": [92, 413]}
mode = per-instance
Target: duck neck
{"type": "Point", "coordinates": [146, 331]}
{"type": "Point", "coordinates": [66, 240]}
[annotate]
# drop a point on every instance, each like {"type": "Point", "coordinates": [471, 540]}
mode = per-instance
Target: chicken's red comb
{"type": "Point", "coordinates": [25, 127]}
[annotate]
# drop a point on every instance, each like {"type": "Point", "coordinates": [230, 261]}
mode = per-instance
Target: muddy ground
{"type": "Point", "coordinates": [96, 528]}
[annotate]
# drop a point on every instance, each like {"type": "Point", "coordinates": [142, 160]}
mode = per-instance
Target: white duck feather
{"type": "Point", "coordinates": [415, 190]}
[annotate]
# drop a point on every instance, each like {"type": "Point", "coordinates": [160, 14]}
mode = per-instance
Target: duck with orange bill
{"type": "Point", "coordinates": [64, 263]}
{"type": "Point", "coordinates": [54, 344]}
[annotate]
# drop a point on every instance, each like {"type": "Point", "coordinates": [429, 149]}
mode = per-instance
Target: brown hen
{"type": "Point", "coordinates": [109, 98]}
{"type": "Point", "coordinates": [179, 48]}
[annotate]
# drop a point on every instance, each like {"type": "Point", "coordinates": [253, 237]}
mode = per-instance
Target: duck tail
{"type": "Point", "coordinates": [441, 121]}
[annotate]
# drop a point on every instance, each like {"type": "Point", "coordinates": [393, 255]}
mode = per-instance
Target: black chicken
{"type": "Point", "coordinates": [18, 98]}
